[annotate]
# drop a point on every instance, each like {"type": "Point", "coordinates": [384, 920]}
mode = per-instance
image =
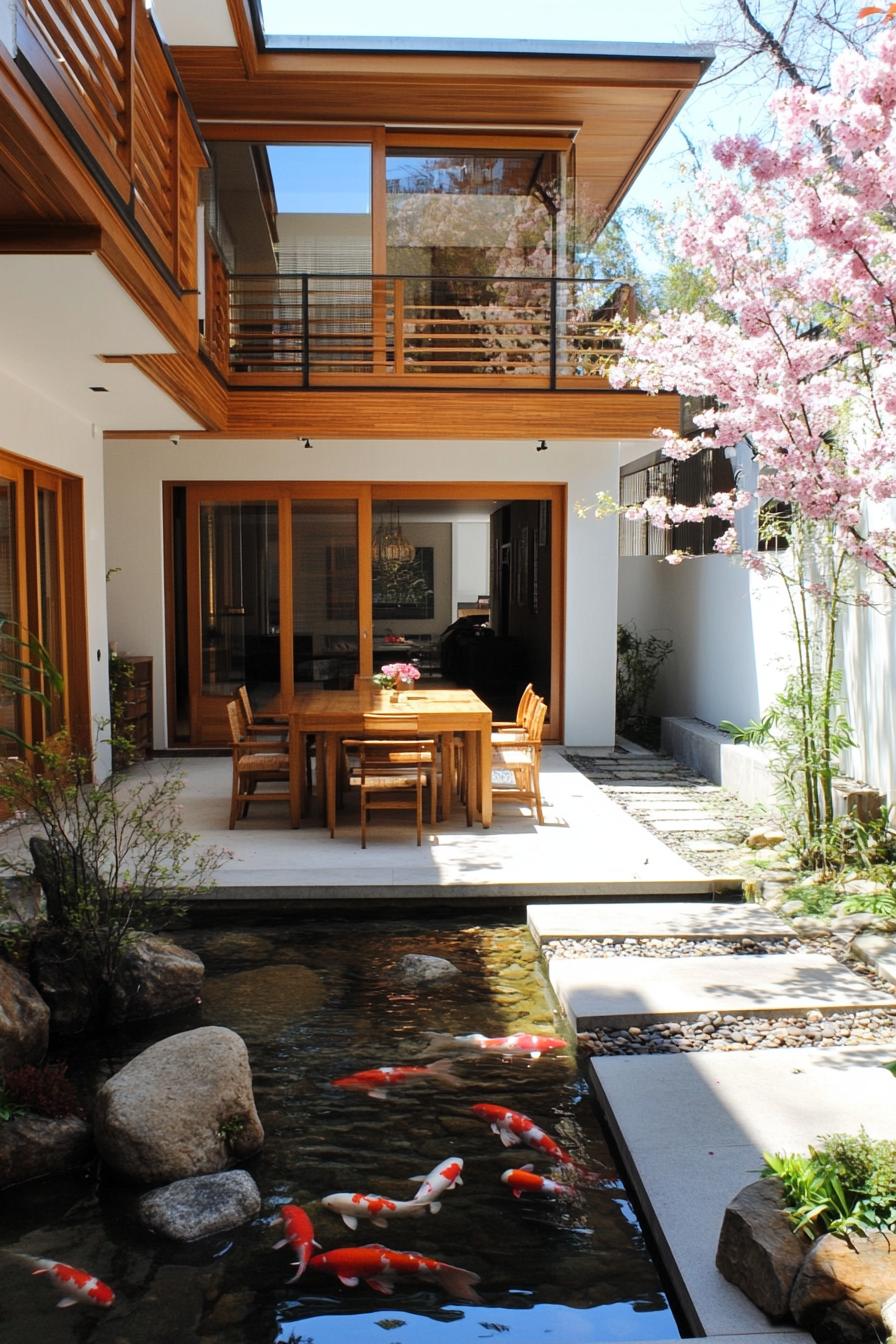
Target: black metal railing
{"type": "Point", "coordinates": [316, 329]}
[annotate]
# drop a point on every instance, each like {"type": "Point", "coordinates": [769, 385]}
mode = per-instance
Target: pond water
{"type": "Point", "coordinates": [315, 1001]}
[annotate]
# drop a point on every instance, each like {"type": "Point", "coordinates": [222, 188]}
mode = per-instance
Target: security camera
{"type": "Point", "coordinates": [175, 439]}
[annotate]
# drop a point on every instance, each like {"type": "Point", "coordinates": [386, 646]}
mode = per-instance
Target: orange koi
{"type": "Point", "coordinates": [299, 1234]}
{"type": "Point", "coordinates": [521, 1179]}
{"type": "Point", "coordinates": [76, 1285]}
{"type": "Point", "coordinates": [512, 1128]}
{"type": "Point", "coordinates": [375, 1081]}
{"type": "Point", "coordinates": [378, 1268]}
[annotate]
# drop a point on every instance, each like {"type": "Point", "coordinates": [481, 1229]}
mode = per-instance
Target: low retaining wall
{"type": "Point", "coordinates": [745, 770]}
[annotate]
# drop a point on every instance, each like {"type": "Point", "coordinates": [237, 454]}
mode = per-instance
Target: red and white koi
{"type": "Point", "coordinates": [299, 1234]}
{"type": "Point", "coordinates": [513, 1128]}
{"type": "Point", "coordinates": [377, 1208]}
{"type": "Point", "coordinates": [76, 1285]}
{"type": "Point", "coordinates": [378, 1268]}
{"type": "Point", "coordinates": [520, 1043]}
{"type": "Point", "coordinates": [443, 1177]}
{"type": "Point", "coordinates": [526, 1180]}
{"type": "Point", "coordinates": [376, 1082]}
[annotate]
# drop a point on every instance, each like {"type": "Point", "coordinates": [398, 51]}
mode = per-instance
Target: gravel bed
{"type": "Point", "coordinates": [568, 948]}
{"type": "Point", "coordinates": [718, 1031]}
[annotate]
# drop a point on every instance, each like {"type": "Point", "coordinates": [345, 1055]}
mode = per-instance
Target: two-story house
{"type": "Point", "coordinates": [301, 340]}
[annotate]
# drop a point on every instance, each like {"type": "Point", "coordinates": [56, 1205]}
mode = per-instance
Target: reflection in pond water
{"type": "Point", "coordinates": [316, 1001]}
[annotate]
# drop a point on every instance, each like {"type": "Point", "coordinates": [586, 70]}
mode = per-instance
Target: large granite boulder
{"type": "Point", "coordinates": [842, 1287]}
{"type": "Point", "coordinates": [154, 977]}
{"type": "Point", "coordinates": [758, 1250]}
{"type": "Point", "coordinates": [24, 1020]}
{"type": "Point", "coordinates": [184, 1107]}
{"type": "Point", "coordinates": [417, 969]}
{"type": "Point", "coordinates": [200, 1205]}
{"type": "Point", "coordinates": [35, 1145]}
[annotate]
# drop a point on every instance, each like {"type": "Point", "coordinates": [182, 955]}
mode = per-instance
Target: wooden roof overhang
{"type": "Point", "coordinates": [616, 107]}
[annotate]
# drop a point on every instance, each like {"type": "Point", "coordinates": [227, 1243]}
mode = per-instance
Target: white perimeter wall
{"type": "Point", "coordinates": [33, 427]}
{"type": "Point", "coordinates": [135, 471]}
{"type": "Point", "coordinates": [732, 645]}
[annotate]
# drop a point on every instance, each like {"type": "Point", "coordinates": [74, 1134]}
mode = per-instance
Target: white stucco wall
{"type": "Point", "coordinates": [32, 427]}
{"type": "Point", "coordinates": [135, 471]}
{"type": "Point", "coordinates": [732, 642]}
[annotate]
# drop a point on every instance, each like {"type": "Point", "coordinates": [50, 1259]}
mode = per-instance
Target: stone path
{"type": "Point", "coordinates": [703, 823]}
{"type": "Point", "coordinates": [696, 1075]}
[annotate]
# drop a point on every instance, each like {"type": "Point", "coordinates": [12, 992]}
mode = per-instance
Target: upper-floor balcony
{"type": "Point", "coordinates": [316, 330]}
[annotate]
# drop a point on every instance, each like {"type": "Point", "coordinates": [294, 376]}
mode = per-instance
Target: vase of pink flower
{"type": "Point", "coordinates": [397, 678]}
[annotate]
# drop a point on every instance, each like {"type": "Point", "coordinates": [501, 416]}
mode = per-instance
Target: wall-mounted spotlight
{"type": "Point", "coordinates": [541, 446]}
{"type": "Point", "coordinates": [306, 442]}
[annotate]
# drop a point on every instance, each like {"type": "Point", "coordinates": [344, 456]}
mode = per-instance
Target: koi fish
{"type": "Point", "coordinates": [375, 1081]}
{"type": "Point", "coordinates": [299, 1234]}
{"type": "Point", "coordinates": [526, 1179]}
{"type": "Point", "coordinates": [443, 1177]}
{"type": "Point", "coordinates": [378, 1268]}
{"type": "Point", "coordinates": [375, 1207]}
{"type": "Point", "coordinates": [512, 1128]}
{"type": "Point", "coordinates": [76, 1285]}
{"type": "Point", "coordinates": [520, 1043]}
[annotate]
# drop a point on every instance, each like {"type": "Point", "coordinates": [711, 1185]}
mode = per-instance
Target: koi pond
{"type": "Point", "coordinates": [316, 1001]}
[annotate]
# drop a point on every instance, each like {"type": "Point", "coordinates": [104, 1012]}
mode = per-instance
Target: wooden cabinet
{"type": "Point", "coordinates": [130, 682]}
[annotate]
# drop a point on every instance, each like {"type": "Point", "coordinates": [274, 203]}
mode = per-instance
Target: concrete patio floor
{"type": "Point", "coordinates": [588, 847]}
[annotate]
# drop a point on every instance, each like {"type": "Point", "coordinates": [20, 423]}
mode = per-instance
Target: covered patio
{"type": "Point", "coordinates": [588, 847]}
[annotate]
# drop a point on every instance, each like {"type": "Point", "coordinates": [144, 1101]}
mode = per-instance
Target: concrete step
{"type": "Point", "coordinates": [691, 1131]}
{"type": "Point", "coordinates": [631, 991]}
{"type": "Point", "coordinates": [654, 920]}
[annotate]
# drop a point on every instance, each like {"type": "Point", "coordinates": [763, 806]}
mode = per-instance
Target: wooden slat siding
{"type": "Point", "coordinates": [216, 315]}
{"type": "Point", "coordinates": [190, 159]}
{"type": "Point", "coordinates": [85, 90]}
{"type": "Point", "coordinates": [508, 414]}
{"type": "Point", "coordinates": [89, 60]}
{"type": "Point", "coordinates": [155, 142]}
{"type": "Point", "coordinates": [189, 382]}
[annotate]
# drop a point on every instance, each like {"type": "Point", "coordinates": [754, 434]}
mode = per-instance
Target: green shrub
{"type": "Point", "coordinates": [847, 1185]}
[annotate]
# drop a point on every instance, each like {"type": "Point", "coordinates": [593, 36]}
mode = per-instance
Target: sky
{"type": "Point", "coordinates": [720, 109]}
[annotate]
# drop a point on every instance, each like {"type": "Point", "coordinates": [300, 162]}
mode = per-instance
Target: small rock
{"type": "Point", "coordinates": [24, 1020]}
{"type": "Point", "coordinates": [758, 1250]}
{"type": "Point", "coordinates": [200, 1205]}
{"type": "Point", "coordinates": [417, 969]}
{"type": "Point", "coordinates": [792, 907]}
{"type": "Point", "coordinates": [842, 1286]}
{"type": "Point", "coordinates": [36, 1145]}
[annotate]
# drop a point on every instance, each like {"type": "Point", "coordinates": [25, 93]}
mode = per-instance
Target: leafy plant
{"type": "Point", "coordinates": [807, 734]}
{"type": "Point", "coordinates": [231, 1127]}
{"type": "Point", "coordinates": [847, 1185]}
{"type": "Point", "coordinates": [638, 661]}
{"type": "Point", "coordinates": [44, 1089]}
{"type": "Point", "coordinates": [8, 1108]}
{"type": "Point", "coordinates": [26, 669]}
{"type": "Point", "coordinates": [115, 857]}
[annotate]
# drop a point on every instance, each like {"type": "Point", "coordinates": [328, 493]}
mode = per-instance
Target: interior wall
{"type": "Point", "coordinates": [136, 470]}
{"type": "Point", "coordinates": [32, 427]}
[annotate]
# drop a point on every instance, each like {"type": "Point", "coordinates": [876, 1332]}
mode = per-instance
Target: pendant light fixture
{"type": "Point", "coordinates": [390, 546]}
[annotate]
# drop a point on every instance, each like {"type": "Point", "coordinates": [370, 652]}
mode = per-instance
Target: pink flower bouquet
{"type": "Point", "coordinates": [396, 676]}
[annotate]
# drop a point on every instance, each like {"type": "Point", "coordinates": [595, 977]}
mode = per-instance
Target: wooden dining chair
{"type": "Point", "coordinates": [521, 759]}
{"type": "Point", "coordinates": [393, 769]}
{"type": "Point", "coordinates": [517, 725]}
{"type": "Point", "coordinates": [273, 729]}
{"type": "Point", "coordinates": [254, 763]}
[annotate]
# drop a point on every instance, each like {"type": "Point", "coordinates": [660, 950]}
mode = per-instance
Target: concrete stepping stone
{"type": "Point", "coordinates": [652, 919]}
{"type": "Point", "coordinates": [632, 991]}
{"type": "Point", "coordinates": [691, 1131]}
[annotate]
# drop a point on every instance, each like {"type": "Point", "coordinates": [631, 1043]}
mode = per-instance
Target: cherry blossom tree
{"type": "Point", "coordinates": [794, 350]}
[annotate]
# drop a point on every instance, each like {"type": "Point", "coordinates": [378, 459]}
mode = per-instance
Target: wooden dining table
{"type": "Point", "coordinates": [334, 715]}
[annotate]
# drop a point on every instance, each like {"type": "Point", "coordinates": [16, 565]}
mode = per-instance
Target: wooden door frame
{"type": "Point", "coordinates": [365, 494]}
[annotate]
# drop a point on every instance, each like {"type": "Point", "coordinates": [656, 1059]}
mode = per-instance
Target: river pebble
{"type": "Point", "coordinates": [667, 947]}
{"type": "Point", "coordinates": [742, 1032]}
